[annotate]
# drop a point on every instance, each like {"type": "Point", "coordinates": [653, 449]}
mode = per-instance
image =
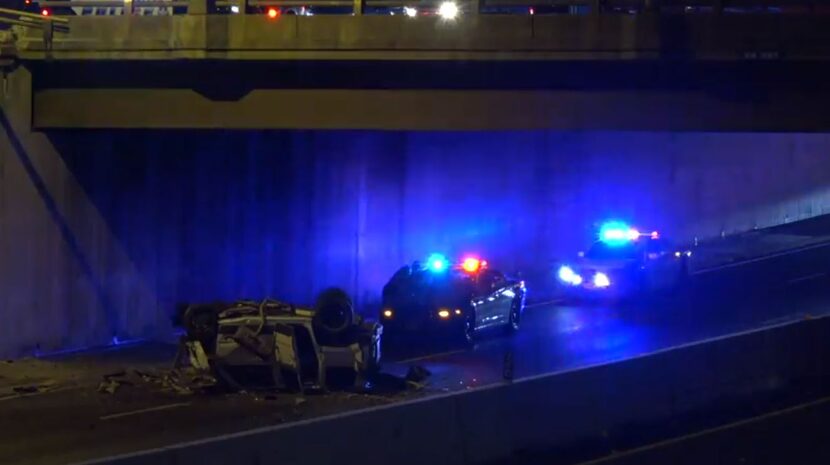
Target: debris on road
{"type": "Point", "coordinates": [179, 381]}
{"type": "Point", "coordinates": [417, 374]}
{"type": "Point", "coordinates": [44, 386]}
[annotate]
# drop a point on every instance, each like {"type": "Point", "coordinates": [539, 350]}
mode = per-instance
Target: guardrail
{"type": "Point", "coordinates": [48, 24]}
{"type": "Point", "coordinates": [357, 7]}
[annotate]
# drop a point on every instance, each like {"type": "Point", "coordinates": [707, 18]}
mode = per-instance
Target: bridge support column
{"type": "Point", "coordinates": [67, 280]}
{"type": "Point", "coordinates": [358, 7]}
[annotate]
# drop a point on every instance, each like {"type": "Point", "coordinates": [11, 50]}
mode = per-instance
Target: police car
{"type": "Point", "coordinates": [451, 299]}
{"type": "Point", "coordinates": [625, 262]}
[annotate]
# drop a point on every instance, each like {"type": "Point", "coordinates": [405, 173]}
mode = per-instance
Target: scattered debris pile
{"type": "Point", "coordinates": [178, 381]}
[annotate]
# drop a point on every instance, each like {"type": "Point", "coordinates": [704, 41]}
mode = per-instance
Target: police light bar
{"type": "Point", "coordinates": [617, 233]}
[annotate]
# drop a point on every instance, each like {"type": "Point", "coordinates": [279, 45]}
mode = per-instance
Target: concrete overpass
{"type": "Point", "coordinates": [648, 71]}
{"type": "Point", "coordinates": [362, 142]}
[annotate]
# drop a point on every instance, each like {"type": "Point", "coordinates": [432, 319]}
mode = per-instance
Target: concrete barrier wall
{"type": "Point", "coordinates": [563, 36]}
{"type": "Point", "coordinates": [104, 231]}
{"type": "Point", "coordinates": [540, 414]}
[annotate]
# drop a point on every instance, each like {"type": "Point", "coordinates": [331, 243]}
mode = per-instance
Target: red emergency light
{"type": "Point", "coordinates": [471, 264]}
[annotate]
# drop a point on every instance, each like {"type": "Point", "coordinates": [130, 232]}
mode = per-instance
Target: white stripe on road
{"type": "Point", "coordinates": [149, 453]}
{"type": "Point", "coordinates": [698, 434]}
{"type": "Point", "coordinates": [762, 258]}
{"type": "Point", "coordinates": [806, 278]}
{"type": "Point", "coordinates": [145, 410]}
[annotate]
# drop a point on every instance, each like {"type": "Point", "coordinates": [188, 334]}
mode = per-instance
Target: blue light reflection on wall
{"type": "Point", "coordinates": [205, 215]}
{"type": "Point", "coordinates": [223, 215]}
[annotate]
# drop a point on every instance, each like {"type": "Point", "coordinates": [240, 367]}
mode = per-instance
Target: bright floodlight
{"type": "Point", "coordinates": [410, 11]}
{"type": "Point", "coordinates": [448, 10]}
{"type": "Point", "coordinates": [234, 8]}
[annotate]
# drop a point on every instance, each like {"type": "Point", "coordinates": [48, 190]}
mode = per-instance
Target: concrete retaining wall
{"type": "Point", "coordinates": [539, 414]}
{"type": "Point", "coordinates": [104, 231]}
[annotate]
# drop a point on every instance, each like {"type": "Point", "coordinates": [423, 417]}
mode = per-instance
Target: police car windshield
{"type": "Point", "coordinates": [424, 286]}
{"type": "Point", "coordinates": [602, 251]}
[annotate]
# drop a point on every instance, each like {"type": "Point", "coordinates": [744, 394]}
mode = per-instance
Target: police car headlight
{"type": "Point", "coordinates": [601, 280]}
{"type": "Point", "coordinates": [443, 313]}
{"type": "Point", "coordinates": [567, 275]}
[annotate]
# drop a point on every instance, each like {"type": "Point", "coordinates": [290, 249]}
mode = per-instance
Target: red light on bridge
{"type": "Point", "coordinates": [273, 13]}
{"type": "Point", "coordinates": [45, 12]}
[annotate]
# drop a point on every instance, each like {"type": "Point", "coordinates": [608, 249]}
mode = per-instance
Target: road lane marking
{"type": "Point", "coordinates": [429, 356]}
{"type": "Point", "coordinates": [144, 410]}
{"type": "Point", "coordinates": [717, 429]}
{"type": "Point", "coordinates": [762, 258]}
{"type": "Point", "coordinates": [806, 278]}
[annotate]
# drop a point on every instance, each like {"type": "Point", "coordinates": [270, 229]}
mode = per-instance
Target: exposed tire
{"type": "Point", "coordinates": [334, 315]}
{"type": "Point", "coordinates": [201, 324]}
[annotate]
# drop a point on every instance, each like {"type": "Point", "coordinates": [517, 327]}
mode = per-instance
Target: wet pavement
{"type": "Point", "coordinates": [71, 421]}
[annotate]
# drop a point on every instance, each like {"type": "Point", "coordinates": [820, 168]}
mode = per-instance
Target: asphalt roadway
{"type": "Point", "coordinates": [80, 424]}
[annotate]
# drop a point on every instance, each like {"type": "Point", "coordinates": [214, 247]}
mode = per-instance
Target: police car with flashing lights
{"type": "Point", "coordinates": [625, 262]}
{"type": "Point", "coordinates": [454, 300]}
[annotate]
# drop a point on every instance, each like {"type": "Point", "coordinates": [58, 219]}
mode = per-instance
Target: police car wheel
{"type": "Point", "coordinates": [468, 330]}
{"type": "Point", "coordinates": [514, 317]}
{"type": "Point", "coordinates": [373, 365]}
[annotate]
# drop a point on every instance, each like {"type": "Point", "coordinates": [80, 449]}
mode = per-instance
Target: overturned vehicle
{"type": "Point", "coordinates": [275, 344]}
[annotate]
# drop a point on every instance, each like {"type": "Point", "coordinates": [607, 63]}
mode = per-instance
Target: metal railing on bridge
{"type": "Point", "coordinates": [47, 23]}
{"type": "Point", "coordinates": [448, 9]}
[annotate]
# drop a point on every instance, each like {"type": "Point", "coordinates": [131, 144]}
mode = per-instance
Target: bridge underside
{"type": "Point", "coordinates": [671, 95]}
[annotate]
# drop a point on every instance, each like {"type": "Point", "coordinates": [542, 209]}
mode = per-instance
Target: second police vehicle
{"type": "Point", "coordinates": [624, 262]}
{"type": "Point", "coordinates": [453, 300]}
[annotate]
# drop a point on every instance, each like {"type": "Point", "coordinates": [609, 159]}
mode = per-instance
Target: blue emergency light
{"type": "Point", "coordinates": [437, 263]}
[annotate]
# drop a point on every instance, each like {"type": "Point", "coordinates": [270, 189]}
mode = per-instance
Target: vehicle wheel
{"type": "Point", "coordinates": [468, 335]}
{"type": "Point", "coordinates": [682, 276]}
{"type": "Point", "coordinates": [201, 324]}
{"type": "Point", "coordinates": [373, 365]}
{"type": "Point", "coordinates": [334, 316]}
{"type": "Point", "coordinates": [514, 319]}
